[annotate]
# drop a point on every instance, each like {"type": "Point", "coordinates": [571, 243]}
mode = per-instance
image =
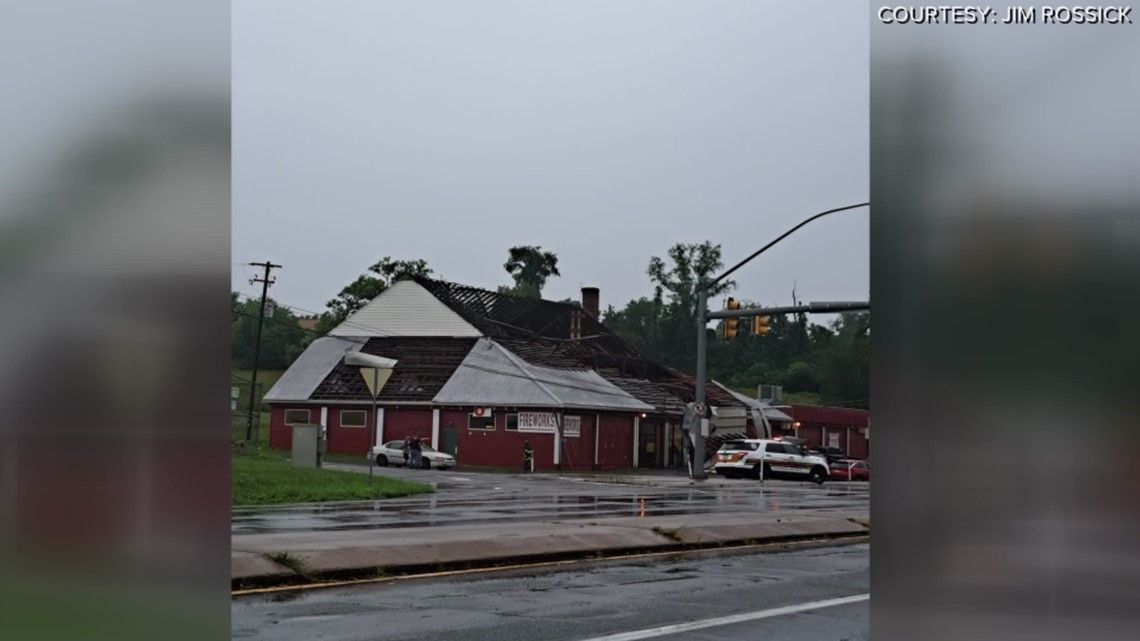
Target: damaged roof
{"type": "Point", "coordinates": [423, 366]}
{"type": "Point", "coordinates": [531, 352]}
{"type": "Point", "coordinates": [492, 375]}
{"type": "Point", "coordinates": [554, 334]}
{"type": "Point", "coordinates": [313, 365]}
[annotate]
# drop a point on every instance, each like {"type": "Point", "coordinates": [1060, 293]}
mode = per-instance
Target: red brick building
{"type": "Point", "coordinates": [478, 373]}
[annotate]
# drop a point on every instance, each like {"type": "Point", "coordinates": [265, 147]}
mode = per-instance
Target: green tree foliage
{"type": "Point", "coordinates": [282, 339]}
{"type": "Point", "coordinates": [530, 267]}
{"type": "Point", "coordinates": [664, 327]}
{"type": "Point", "coordinates": [367, 286]}
{"type": "Point", "coordinates": [814, 363]}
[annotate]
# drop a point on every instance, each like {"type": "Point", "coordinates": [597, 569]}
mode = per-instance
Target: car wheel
{"type": "Point", "coordinates": [425, 464]}
{"type": "Point", "coordinates": [818, 475]}
{"type": "Point", "coordinates": [382, 460]}
{"type": "Point", "coordinates": [765, 472]}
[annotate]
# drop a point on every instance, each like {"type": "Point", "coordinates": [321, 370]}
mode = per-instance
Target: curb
{"type": "Point", "coordinates": [259, 570]}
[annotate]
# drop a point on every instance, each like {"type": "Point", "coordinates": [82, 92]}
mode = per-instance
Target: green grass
{"type": "Point", "coordinates": [264, 479]}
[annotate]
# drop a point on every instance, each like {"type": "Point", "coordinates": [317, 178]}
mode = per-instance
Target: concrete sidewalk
{"type": "Point", "coordinates": [283, 558]}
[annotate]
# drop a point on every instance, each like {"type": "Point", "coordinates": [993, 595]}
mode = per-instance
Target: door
{"type": "Point", "coordinates": [451, 441]}
{"type": "Point", "coordinates": [648, 446]}
{"type": "Point", "coordinates": [778, 458]}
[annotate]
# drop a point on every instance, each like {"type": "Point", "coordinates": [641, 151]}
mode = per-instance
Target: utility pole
{"type": "Point", "coordinates": [703, 315]}
{"type": "Point", "coordinates": [254, 402]}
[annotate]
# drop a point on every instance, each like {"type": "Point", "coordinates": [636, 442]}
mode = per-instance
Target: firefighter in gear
{"type": "Point", "coordinates": [528, 457]}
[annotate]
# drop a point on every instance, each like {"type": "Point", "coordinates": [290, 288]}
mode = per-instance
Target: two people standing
{"type": "Point", "coordinates": [413, 452]}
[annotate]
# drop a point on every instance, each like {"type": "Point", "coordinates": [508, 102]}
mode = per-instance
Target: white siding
{"type": "Point", "coordinates": [405, 309]}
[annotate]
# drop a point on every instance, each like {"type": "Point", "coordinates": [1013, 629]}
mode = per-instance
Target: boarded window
{"type": "Point", "coordinates": [353, 418]}
{"type": "Point", "coordinates": [293, 417]}
{"type": "Point", "coordinates": [480, 422]}
{"type": "Point", "coordinates": [512, 422]}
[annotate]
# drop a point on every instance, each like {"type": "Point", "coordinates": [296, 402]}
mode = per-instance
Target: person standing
{"type": "Point", "coordinates": [417, 453]}
{"type": "Point", "coordinates": [528, 457]}
{"type": "Point", "coordinates": [407, 448]}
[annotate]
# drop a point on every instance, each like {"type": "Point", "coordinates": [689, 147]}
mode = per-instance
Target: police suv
{"type": "Point", "coordinates": [764, 458]}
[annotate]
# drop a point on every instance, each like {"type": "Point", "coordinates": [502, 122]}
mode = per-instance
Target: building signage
{"type": "Point", "coordinates": [572, 426]}
{"type": "Point", "coordinates": [833, 439]}
{"type": "Point", "coordinates": [537, 422]}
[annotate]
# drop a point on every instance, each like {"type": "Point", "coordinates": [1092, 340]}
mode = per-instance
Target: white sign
{"type": "Point", "coordinates": [572, 426]}
{"type": "Point", "coordinates": [833, 439]}
{"type": "Point", "coordinates": [537, 422]}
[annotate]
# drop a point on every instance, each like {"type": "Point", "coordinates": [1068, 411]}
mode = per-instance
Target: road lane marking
{"type": "Point", "coordinates": [665, 630]}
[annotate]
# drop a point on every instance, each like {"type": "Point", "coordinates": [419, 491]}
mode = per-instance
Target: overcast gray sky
{"type": "Point", "coordinates": [603, 131]}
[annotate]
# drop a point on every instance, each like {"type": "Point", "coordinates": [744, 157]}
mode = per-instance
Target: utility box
{"type": "Point", "coordinates": [309, 443]}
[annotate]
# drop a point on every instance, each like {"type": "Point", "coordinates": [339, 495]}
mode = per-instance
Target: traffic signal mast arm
{"type": "Point", "coordinates": [703, 316]}
{"type": "Point", "coordinates": [809, 308]}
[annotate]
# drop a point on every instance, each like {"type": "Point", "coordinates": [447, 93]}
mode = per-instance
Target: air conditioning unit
{"type": "Point", "coordinates": [482, 411]}
{"type": "Point", "coordinates": [770, 393]}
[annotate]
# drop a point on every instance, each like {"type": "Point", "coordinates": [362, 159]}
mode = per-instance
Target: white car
{"type": "Point", "coordinates": [392, 453]}
{"type": "Point", "coordinates": [763, 458]}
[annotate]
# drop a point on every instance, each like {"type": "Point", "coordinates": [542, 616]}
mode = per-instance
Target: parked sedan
{"type": "Point", "coordinates": [392, 453]}
{"type": "Point", "coordinates": [851, 471]}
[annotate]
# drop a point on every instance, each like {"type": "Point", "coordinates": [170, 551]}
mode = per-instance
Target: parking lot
{"type": "Point", "coordinates": [482, 497]}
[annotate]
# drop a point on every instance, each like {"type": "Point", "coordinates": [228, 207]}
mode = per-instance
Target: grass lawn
{"type": "Point", "coordinates": [265, 478]}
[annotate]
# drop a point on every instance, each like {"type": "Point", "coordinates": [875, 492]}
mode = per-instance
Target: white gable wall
{"type": "Point", "coordinates": [405, 309]}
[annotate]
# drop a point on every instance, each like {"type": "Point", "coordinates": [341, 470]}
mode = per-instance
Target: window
{"type": "Point", "coordinates": [480, 422]}
{"type": "Point", "coordinates": [512, 422]}
{"type": "Point", "coordinates": [777, 448]}
{"type": "Point", "coordinates": [353, 418]}
{"type": "Point", "coordinates": [792, 449]}
{"type": "Point", "coordinates": [293, 417]}
{"type": "Point", "coordinates": [738, 446]}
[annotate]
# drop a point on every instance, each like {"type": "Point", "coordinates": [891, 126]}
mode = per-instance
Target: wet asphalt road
{"type": "Point", "coordinates": [585, 603]}
{"type": "Point", "coordinates": [469, 497]}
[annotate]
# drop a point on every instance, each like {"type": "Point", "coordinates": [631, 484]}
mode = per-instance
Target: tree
{"type": "Point", "coordinates": [815, 363]}
{"type": "Point", "coordinates": [530, 267]}
{"type": "Point", "coordinates": [675, 298]}
{"type": "Point", "coordinates": [691, 263]}
{"type": "Point", "coordinates": [367, 286]}
{"type": "Point", "coordinates": [282, 338]}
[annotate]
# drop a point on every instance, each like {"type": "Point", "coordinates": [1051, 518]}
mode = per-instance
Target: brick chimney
{"type": "Point", "coordinates": [590, 300]}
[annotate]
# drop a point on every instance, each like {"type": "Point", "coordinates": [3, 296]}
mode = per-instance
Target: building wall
{"type": "Point", "coordinates": [850, 424]}
{"type": "Point", "coordinates": [281, 435]}
{"type": "Point", "coordinates": [578, 452]}
{"type": "Point", "coordinates": [615, 446]}
{"type": "Point", "coordinates": [348, 440]}
{"type": "Point", "coordinates": [503, 448]}
{"type": "Point", "coordinates": [486, 448]}
{"type": "Point", "coordinates": [404, 422]}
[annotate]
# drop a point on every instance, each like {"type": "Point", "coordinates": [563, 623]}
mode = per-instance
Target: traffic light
{"type": "Point", "coordinates": [760, 325]}
{"type": "Point", "coordinates": [731, 325]}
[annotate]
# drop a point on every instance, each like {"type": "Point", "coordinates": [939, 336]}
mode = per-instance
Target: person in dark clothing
{"type": "Point", "coordinates": [407, 451]}
{"type": "Point", "coordinates": [528, 457]}
{"type": "Point", "coordinates": [417, 452]}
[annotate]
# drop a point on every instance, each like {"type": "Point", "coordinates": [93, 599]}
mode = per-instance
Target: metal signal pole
{"type": "Point", "coordinates": [254, 402]}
